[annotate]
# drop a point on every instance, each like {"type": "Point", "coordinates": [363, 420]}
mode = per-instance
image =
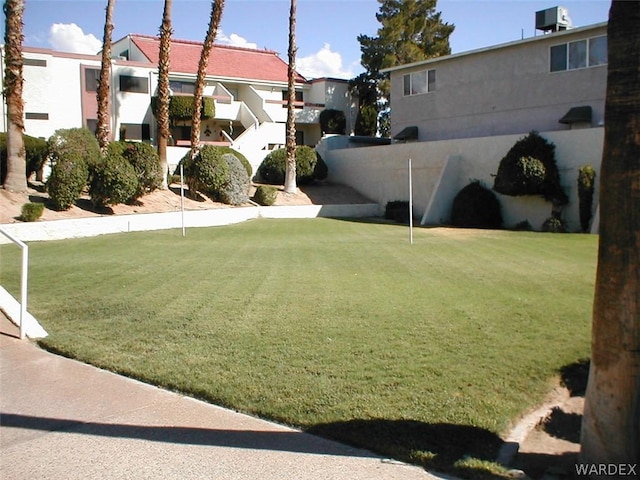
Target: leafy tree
{"type": "Point", "coordinates": [207, 46]}
{"type": "Point", "coordinates": [164, 65]}
{"type": "Point", "coordinates": [15, 180]}
{"type": "Point", "coordinates": [411, 31]}
{"type": "Point", "coordinates": [290, 174]}
{"type": "Point", "coordinates": [611, 420]}
{"type": "Point", "coordinates": [102, 130]}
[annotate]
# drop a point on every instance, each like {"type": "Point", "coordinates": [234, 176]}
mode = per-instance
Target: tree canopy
{"type": "Point", "coordinates": [411, 31]}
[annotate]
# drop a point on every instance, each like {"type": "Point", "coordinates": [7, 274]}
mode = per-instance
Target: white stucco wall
{"type": "Point", "coordinates": [441, 169]}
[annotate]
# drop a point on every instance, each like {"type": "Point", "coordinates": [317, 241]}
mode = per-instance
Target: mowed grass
{"type": "Point", "coordinates": [424, 352]}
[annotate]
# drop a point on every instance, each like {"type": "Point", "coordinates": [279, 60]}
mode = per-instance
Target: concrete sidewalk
{"type": "Point", "coordinates": [62, 419]}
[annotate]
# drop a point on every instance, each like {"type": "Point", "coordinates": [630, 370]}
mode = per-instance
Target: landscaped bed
{"type": "Point", "coordinates": [425, 352]}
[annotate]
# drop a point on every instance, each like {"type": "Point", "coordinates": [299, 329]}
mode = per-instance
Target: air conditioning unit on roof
{"type": "Point", "coordinates": [553, 19]}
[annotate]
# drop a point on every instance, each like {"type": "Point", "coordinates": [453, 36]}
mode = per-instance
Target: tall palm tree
{"type": "Point", "coordinates": [103, 130]}
{"type": "Point", "coordinates": [290, 172]}
{"type": "Point", "coordinates": [214, 22]}
{"type": "Point", "coordinates": [16, 179]}
{"type": "Point", "coordinates": [611, 421]}
{"type": "Point", "coordinates": [163, 88]}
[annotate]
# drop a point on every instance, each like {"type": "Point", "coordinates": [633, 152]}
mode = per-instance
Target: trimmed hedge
{"type": "Point", "coordinates": [181, 107]}
{"type": "Point", "coordinates": [529, 168]}
{"type": "Point", "coordinates": [265, 195]}
{"type": "Point", "coordinates": [235, 189]}
{"type": "Point", "coordinates": [35, 155]}
{"type": "Point", "coordinates": [475, 206]}
{"type": "Point", "coordinates": [77, 143]}
{"type": "Point", "coordinates": [67, 180]}
{"type": "Point", "coordinates": [145, 162]}
{"type": "Point", "coordinates": [114, 181]}
{"type": "Point", "coordinates": [31, 212]}
{"type": "Point", "coordinates": [333, 121]}
{"type": "Point", "coordinates": [273, 168]}
{"type": "Point", "coordinates": [206, 172]}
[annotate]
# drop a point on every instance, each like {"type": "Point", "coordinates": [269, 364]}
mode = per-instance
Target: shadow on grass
{"type": "Point", "coordinates": [461, 450]}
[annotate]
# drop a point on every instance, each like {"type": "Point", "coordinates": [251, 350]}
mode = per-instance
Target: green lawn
{"type": "Point", "coordinates": [424, 352]}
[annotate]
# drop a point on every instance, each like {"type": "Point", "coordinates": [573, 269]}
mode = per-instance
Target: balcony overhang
{"type": "Point", "coordinates": [577, 115]}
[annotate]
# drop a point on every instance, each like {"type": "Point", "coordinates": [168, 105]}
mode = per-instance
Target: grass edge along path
{"type": "Point", "coordinates": [425, 353]}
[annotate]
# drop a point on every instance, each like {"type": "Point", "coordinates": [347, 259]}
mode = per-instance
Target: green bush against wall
{"type": "Point", "coordinates": [181, 107]}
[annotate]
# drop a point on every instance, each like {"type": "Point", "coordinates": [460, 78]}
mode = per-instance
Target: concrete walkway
{"type": "Point", "coordinates": [61, 419]}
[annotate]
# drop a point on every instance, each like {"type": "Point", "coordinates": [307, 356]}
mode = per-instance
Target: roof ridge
{"type": "Point", "coordinates": [194, 42]}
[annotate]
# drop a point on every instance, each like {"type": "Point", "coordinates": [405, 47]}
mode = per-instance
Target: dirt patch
{"type": "Point", "coordinates": [168, 201]}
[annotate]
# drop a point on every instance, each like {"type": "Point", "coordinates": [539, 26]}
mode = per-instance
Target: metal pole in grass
{"type": "Point", "coordinates": [410, 206]}
{"type": "Point", "coordinates": [184, 232]}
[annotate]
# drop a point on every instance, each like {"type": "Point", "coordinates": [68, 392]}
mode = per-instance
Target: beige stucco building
{"type": "Point", "coordinates": [513, 88]}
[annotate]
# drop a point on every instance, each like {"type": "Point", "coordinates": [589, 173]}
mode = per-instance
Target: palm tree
{"type": "Point", "coordinates": [611, 421]}
{"type": "Point", "coordinates": [103, 131]}
{"type": "Point", "coordinates": [214, 22]}
{"type": "Point", "coordinates": [163, 89]}
{"type": "Point", "coordinates": [16, 179]}
{"type": "Point", "coordinates": [290, 173]}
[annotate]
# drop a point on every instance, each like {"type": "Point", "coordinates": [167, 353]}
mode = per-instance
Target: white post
{"type": "Point", "coordinates": [23, 289]}
{"type": "Point", "coordinates": [184, 233]}
{"type": "Point", "coordinates": [410, 205]}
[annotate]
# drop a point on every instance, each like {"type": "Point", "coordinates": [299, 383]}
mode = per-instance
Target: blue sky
{"type": "Point", "coordinates": [326, 32]}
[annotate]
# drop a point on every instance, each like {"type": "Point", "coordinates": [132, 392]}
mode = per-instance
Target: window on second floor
{"type": "Point", "coordinates": [299, 98]}
{"type": "Point", "coordinates": [91, 78]}
{"type": "Point", "coordinates": [177, 86]}
{"type": "Point", "coordinates": [579, 54]}
{"type": "Point", "coordinates": [129, 83]}
{"type": "Point", "coordinates": [418, 83]}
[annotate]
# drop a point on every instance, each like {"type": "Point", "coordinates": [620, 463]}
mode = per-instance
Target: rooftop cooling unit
{"type": "Point", "coordinates": [553, 19]}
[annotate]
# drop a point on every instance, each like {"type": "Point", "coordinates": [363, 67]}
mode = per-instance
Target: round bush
{"type": "Point", "coordinates": [31, 212]}
{"type": "Point", "coordinates": [554, 225]}
{"type": "Point", "coordinates": [265, 195]}
{"type": "Point", "coordinates": [235, 190]}
{"type": "Point", "coordinates": [529, 168]}
{"type": "Point", "coordinates": [206, 172]}
{"type": "Point", "coordinates": [273, 168]}
{"type": "Point", "coordinates": [245, 163]}
{"type": "Point", "coordinates": [146, 163]}
{"type": "Point", "coordinates": [67, 180]}
{"type": "Point", "coordinates": [476, 207]}
{"type": "Point", "coordinates": [333, 121]}
{"type": "Point", "coordinates": [75, 143]}
{"type": "Point", "coordinates": [114, 181]}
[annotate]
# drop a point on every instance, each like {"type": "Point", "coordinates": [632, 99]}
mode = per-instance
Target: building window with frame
{"type": "Point", "coordinates": [578, 54]}
{"type": "Point", "coordinates": [177, 86]}
{"type": "Point", "coordinates": [136, 131]}
{"type": "Point", "coordinates": [299, 99]}
{"type": "Point", "coordinates": [91, 79]}
{"type": "Point", "coordinates": [129, 83]}
{"type": "Point", "coordinates": [33, 62]}
{"type": "Point", "coordinates": [418, 83]}
{"type": "Point", "coordinates": [36, 116]}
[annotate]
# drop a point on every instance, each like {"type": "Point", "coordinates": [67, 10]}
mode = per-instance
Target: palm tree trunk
{"type": "Point", "coordinates": [16, 179]}
{"type": "Point", "coordinates": [103, 130]}
{"type": "Point", "coordinates": [164, 65]}
{"type": "Point", "coordinates": [290, 172]}
{"type": "Point", "coordinates": [214, 22]}
{"type": "Point", "coordinates": [611, 421]}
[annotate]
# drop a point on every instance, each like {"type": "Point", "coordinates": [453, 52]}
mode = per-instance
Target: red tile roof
{"type": "Point", "coordinates": [224, 61]}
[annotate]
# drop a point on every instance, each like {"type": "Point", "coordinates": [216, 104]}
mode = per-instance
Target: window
{"type": "Point", "coordinates": [34, 62]}
{"type": "Point", "coordinates": [299, 98]}
{"type": "Point", "coordinates": [91, 79]}
{"type": "Point", "coordinates": [417, 83]}
{"type": "Point", "coordinates": [36, 116]}
{"type": "Point", "coordinates": [578, 54]}
{"type": "Point", "coordinates": [182, 87]}
{"type": "Point", "coordinates": [136, 131]}
{"type": "Point", "coordinates": [132, 84]}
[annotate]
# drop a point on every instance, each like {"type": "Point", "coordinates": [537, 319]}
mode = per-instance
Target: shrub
{"type": "Point", "coordinates": [114, 181]}
{"type": "Point", "coordinates": [181, 107]}
{"type": "Point", "coordinates": [235, 190]}
{"type": "Point", "coordinates": [146, 163]}
{"type": "Point", "coordinates": [78, 143]}
{"type": "Point", "coordinates": [475, 206]}
{"type": "Point", "coordinates": [35, 153]}
{"type": "Point", "coordinates": [321, 171]}
{"type": "Point", "coordinates": [397, 210]}
{"type": "Point", "coordinates": [265, 195]}
{"type": "Point", "coordinates": [206, 172]}
{"type": "Point", "coordinates": [31, 212]}
{"type": "Point", "coordinates": [529, 168]}
{"type": "Point", "coordinates": [554, 224]}
{"type": "Point", "coordinates": [245, 163]}
{"type": "Point", "coordinates": [67, 180]}
{"type": "Point", "coordinates": [333, 121]}
{"type": "Point", "coordinates": [586, 187]}
{"type": "Point", "coordinates": [273, 168]}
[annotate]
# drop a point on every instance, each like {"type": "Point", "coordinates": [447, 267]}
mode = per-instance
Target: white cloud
{"type": "Point", "coordinates": [235, 40]}
{"type": "Point", "coordinates": [324, 63]}
{"type": "Point", "coordinates": [69, 37]}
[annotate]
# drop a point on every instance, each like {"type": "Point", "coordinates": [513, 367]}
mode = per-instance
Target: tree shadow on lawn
{"type": "Point", "coordinates": [440, 447]}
